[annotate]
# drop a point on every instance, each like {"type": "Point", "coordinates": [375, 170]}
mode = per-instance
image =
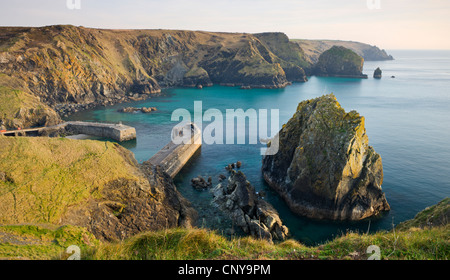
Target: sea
{"type": "Point", "coordinates": [407, 114]}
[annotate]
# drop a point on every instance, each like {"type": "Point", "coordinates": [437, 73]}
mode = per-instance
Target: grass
{"type": "Point", "coordinates": [44, 176]}
{"type": "Point", "coordinates": [44, 242]}
{"type": "Point", "coordinates": [203, 244]}
{"type": "Point", "coordinates": [13, 100]}
{"type": "Point", "coordinates": [411, 244]}
{"type": "Point", "coordinates": [192, 244]}
{"type": "Point", "coordinates": [18, 108]}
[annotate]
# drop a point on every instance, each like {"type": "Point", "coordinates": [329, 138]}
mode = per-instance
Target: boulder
{"type": "Point", "coordinates": [199, 183]}
{"type": "Point", "coordinates": [324, 167]}
{"type": "Point", "coordinates": [247, 210]}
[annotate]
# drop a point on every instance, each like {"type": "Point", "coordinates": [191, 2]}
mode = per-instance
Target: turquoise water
{"type": "Point", "coordinates": [407, 121]}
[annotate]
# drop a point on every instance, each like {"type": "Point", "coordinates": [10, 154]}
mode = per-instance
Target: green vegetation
{"type": "Point", "coordinates": [436, 215]}
{"type": "Point", "coordinates": [42, 242]}
{"type": "Point", "coordinates": [339, 61]}
{"type": "Point", "coordinates": [282, 47]}
{"type": "Point", "coordinates": [344, 53]}
{"type": "Point", "coordinates": [196, 72]}
{"type": "Point", "coordinates": [12, 101]}
{"type": "Point", "coordinates": [401, 243]}
{"type": "Point", "coordinates": [41, 177]}
{"type": "Point", "coordinates": [187, 244]}
{"type": "Point", "coordinates": [20, 109]}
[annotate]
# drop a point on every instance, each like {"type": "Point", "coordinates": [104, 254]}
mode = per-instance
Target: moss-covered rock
{"type": "Point", "coordinates": [325, 167]}
{"type": "Point", "coordinates": [339, 62]}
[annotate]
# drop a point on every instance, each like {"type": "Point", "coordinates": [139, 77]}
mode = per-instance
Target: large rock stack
{"type": "Point", "coordinates": [325, 167]}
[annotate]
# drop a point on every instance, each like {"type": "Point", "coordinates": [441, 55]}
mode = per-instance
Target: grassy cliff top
{"type": "Point", "coordinates": [41, 177]}
{"type": "Point", "coordinates": [40, 242]}
{"type": "Point", "coordinates": [342, 53]}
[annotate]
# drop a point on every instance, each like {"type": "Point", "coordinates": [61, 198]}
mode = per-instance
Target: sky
{"type": "Point", "coordinates": [388, 24]}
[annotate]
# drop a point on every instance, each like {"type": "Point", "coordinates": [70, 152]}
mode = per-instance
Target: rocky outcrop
{"type": "Point", "coordinates": [339, 62]}
{"type": "Point", "coordinates": [324, 167]}
{"type": "Point", "coordinates": [197, 77]}
{"type": "Point", "coordinates": [128, 207]}
{"type": "Point", "coordinates": [292, 57]}
{"type": "Point", "coordinates": [19, 109]}
{"type": "Point", "coordinates": [377, 73]}
{"type": "Point", "coordinates": [200, 183]}
{"type": "Point", "coordinates": [136, 110]}
{"type": "Point", "coordinates": [237, 197]}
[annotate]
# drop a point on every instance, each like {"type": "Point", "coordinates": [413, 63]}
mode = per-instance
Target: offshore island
{"type": "Point", "coordinates": [57, 192]}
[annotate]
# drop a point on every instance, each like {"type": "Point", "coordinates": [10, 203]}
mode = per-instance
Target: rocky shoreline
{"type": "Point", "coordinates": [255, 216]}
{"type": "Point", "coordinates": [142, 62]}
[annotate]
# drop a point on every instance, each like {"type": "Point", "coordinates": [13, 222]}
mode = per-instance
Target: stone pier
{"type": "Point", "coordinates": [173, 157]}
{"type": "Point", "coordinates": [117, 132]}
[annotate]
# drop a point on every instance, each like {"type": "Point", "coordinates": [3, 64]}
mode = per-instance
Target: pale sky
{"type": "Point", "coordinates": [389, 24]}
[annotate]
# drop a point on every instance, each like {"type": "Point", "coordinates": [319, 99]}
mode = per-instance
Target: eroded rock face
{"type": "Point", "coordinates": [65, 64]}
{"type": "Point", "coordinates": [237, 197]}
{"type": "Point", "coordinates": [325, 167]}
{"type": "Point", "coordinates": [129, 207]}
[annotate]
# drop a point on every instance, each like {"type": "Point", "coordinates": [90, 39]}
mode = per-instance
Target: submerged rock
{"type": "Point", "coordinates": [252, 214]}
{"type": "Point", "coordinates": [325, 167]}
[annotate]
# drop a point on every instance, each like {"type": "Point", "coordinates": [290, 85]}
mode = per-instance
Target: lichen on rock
{"type": "Point", "coordinates": [325, 167]}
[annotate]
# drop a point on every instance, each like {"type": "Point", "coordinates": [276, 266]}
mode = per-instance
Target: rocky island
{"type": "Point", "coordinates": [325, 168]}
{"type": "Point", "coordinates": [339, 62]}
{"type": "Point", "coordinates": [377, 73]}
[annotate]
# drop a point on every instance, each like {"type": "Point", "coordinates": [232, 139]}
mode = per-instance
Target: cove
{"type": "Point", "coordinates": [407, 121]}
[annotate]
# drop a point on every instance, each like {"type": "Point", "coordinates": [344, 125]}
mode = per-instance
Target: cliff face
{"type": "Point", "coordinates": [339, 62]}
{"type": "Point", "coordinates": [325, 167]}
{"type": "Point", "coordinates": [56, 181]}
{"type": "Point", "coordinates": [86, 67]}
{"type": "Point", "coordinates": [70, 68]}
{"type": "Point", "coordinates": [314, 48]}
